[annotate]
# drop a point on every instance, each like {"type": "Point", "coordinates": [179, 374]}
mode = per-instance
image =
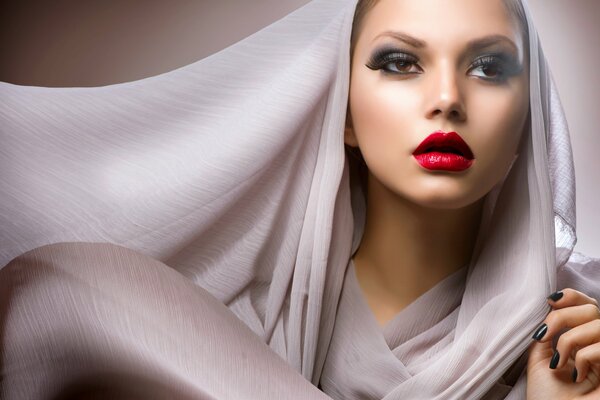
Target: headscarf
{"type": "Point", "coordinates": [232, 170]}
{"type": "Point", "coordinates": [466, 337]}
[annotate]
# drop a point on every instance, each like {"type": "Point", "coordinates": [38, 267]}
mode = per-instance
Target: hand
{"type": "Point", "coordinates": [573, 370]}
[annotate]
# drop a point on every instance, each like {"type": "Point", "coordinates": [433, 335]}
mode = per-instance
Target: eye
{"type": "Point", "coordinates": [494, 68]}
{"type": "Point", "coordinates": [393, 62]}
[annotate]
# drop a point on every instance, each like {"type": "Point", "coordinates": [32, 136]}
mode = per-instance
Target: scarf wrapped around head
{"type": "Point", "coordinates": [232, 170]}
{"type": "Point", "coordinates": [458, 340]}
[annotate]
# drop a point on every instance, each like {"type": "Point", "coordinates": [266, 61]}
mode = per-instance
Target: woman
{"type": "Point", "coordinates": [234, 186]}
{"type": "Point", "coordinates": [425, 200]}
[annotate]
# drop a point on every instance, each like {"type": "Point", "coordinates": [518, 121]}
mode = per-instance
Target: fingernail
{"type": "Point", "coordinates": [555, 359]}
{"type": "Point", "coordinates": [556, 296]}
{"type": "Point", "coordinates": [574, 375]}
{"type": "Point", "coordinates": [540, 332]}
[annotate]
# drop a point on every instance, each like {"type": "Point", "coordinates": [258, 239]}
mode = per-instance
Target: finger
{"type": "Point", "coordinates": [569, 297]}
{"type": "Point", "coordinates": [586, 358]}
{"type": "Point", "coordinates": [575, 339]}
{"type": "Point", "coordinates": [565, 318]}
{"type": "Point", "coordinates": [539, 353]}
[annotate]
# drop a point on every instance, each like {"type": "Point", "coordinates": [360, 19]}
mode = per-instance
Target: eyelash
{"type": "Point", "coordinates": [502, 62]}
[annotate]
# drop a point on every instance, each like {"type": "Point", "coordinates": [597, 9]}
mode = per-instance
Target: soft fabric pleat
{"type": "Point", "coordinates": [527, 233]}
{"type": "Point", "coordinates": [232, 171]}
{"type": "Point", "coordinates": [228, 170]}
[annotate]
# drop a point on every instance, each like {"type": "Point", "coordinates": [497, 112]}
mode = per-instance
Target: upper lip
{"type": "Point", "coordinates": [448, 142]}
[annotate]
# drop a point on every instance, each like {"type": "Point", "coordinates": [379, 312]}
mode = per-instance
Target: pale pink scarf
{"type": "Point", "coordinates": [232, 171]}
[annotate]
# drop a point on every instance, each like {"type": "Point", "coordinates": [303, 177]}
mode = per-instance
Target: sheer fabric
{"type": "Point", "coordinates": [232, 171]}
{"type": "Point", "coordinates": [472, 346]}
{"type": "Point", "coordinates": [228, 170]}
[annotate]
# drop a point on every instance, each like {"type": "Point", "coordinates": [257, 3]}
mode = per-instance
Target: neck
{"type": "Point", "coordinates": [406, 249]}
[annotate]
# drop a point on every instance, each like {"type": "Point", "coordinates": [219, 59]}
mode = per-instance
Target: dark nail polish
{"type": "Point", "coordinates": [555, 359]}
{"type": "Point", "coordinates": [540, 332]}
{"type": "Point", "coordinates": [556, 296]}
{"type": "Point", "coordinates": [574, 375]}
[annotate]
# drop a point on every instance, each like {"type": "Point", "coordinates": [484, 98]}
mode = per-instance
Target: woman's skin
{"type": "Point", "coordinates": [421, 225]}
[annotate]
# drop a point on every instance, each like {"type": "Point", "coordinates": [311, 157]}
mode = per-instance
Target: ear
{"type": "Point", "coordinates": [349, 136]}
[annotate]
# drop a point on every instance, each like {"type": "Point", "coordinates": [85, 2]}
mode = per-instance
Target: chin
{"type": "Point", "coordinates": [444, 203]}
{"type": "Point", "coordinates": [444, 197]}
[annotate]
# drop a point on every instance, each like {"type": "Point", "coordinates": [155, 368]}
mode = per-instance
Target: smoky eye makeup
{"type": "Point", "coordinates": [382, 57]}
{"type": "Point", "coordinates": [492, 66]}
{"type": "Point", "coordinates": [496, 66]}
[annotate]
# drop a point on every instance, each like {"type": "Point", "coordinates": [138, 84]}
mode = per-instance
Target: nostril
{"type": "Point", "coordinates": [457, 114]}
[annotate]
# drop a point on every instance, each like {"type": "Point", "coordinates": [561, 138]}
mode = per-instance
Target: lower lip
{"type": "Point", "coordinates": [437, 161]}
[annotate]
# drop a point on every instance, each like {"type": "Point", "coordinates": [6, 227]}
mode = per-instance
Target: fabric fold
{"type": "Point", "coordinates": [227, 169]}
{"type": "Point", "coordinates": [232, 171]}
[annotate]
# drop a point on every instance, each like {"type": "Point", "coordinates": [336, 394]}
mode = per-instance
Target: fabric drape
{"type": "Point", "coordinates": [455, 348]}
{"type": "Point", "coordinates": [228, 170]}
{"type": "Point", "coordinates": [232, 171]}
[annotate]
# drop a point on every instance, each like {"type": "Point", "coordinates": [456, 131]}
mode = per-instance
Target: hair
{"type": "Point", "coordinates": [362, 9]}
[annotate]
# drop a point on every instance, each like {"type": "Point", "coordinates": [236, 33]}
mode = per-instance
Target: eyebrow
{"type": "Point", "coordinates": [474, 44]}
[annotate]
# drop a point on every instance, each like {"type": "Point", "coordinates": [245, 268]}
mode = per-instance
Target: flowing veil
{"type": "Point", "coordinates": [235, 175]}
{"type": "Point", "coordinates": [228, 171]}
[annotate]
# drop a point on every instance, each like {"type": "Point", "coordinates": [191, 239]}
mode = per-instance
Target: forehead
{"type": "Point", "coordinates": [441, 22]}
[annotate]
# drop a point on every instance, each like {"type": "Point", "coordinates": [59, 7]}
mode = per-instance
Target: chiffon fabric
{"type": "Point", "coordinates": [141, 217]}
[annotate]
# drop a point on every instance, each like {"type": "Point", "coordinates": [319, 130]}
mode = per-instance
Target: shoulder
{"type": "Point", "coordinates": [581, 273]}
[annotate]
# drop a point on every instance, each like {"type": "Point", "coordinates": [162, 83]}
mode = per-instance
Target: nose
{"type": "Point", "coordinates": [445, 98]}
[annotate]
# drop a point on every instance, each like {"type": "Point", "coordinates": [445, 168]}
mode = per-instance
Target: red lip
{"type": "Point", "coordinates": [443, 151]}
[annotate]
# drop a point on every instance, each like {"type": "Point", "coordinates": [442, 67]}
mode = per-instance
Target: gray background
{"type": "Point", "coordinates": [99, 42]}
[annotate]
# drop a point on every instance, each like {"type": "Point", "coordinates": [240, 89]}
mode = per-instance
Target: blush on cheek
{"type": "Point", "coordinates": [499, 124]}
{"type": "Point", "coordinates": [370, 122]}
{"type": "Point", "coordinates": [385, 115]}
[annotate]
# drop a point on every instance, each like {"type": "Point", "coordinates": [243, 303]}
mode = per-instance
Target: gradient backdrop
{"type": "Point", "coordinates": [99, 42]}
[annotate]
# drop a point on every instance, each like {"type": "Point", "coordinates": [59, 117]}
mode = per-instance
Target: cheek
{"type": "Point", "coordinates": [383, 115]}
{"type": "Point", "coordinates": [498, 122]}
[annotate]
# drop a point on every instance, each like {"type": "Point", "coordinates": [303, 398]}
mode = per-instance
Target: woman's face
{"type": "Point", "coordinates": [421, 66]}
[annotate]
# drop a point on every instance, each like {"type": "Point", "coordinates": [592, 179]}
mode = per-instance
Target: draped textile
{"type": "Point", "coordinates": [232, 171]}
{"type": "Point", "coordinates": [466, 337]}
{"type": "Point", "coordinates": [227, 170]}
